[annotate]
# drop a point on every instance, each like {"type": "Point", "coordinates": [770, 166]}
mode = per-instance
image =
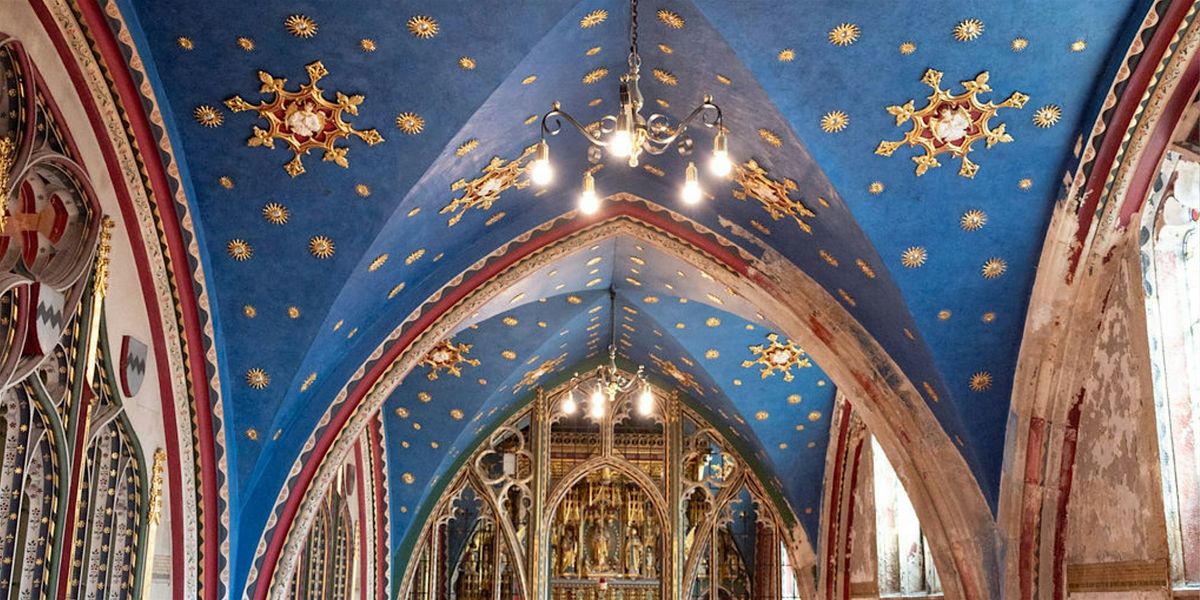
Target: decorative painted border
{"type": "Point", "coordinates": [163, 237]}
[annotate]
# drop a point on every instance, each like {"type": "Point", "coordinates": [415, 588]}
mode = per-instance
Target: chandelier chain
{"type": "Point", "coordinates": [635, 60]}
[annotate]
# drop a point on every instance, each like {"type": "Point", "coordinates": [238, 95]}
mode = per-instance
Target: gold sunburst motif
{"type": "Point", "coordinates": [422, 27]}
{"type": "Point", "coordinates": [770, 137]}
{"type": "Point", "coordinates": [973, 220]}
{"type": "Point", "coordinates": [208, 116]}
{"type": "Point", "coordinates": [665, 77]}
{"type": "Point", "coordinates": [907, 48]}
{"type": "Point", "coordinates": [466, 147]}
{"type": "Point", "coordinates": [1025, 183]}
{"type": "Point", "coordinates": [786, 55]}
{"type": "Point", "coordinates": [876, 188]}
{"type": "Point", "coordinates": [304, 119]}
{"type": "Point", "coordinates": [410, 123]}
{"type": "Point", "coordinates": [245, 43]}
{"type": "Point", "coordinates": [950, 123]}
{"type": "Point", "coordinates": [981, 381]}
{"type": "Point", "coordinates": [752, 181]}
{"type": "Point", "coordinates": [367, 45]}
{"type": "Point", "coordinates": [914, 256]}
{"type": "Point", "coordinates": [670, 18]}
{"type": "Point", "coordinates": [300, 26]}
{"type": "Point", "coordinates": [533, 376]}
{"type": "Point", "coordinates": [482, 192]}
{"type": "Point", "coordinates": [275, 213]}
{"type": "Point", "coordinates": [593, 18]}
{"type": "Point", "coordinates": [466, 63]}
{"type": "Point", "coordinates": [595, 75]}
{"type": "Point", "coordinates": [449, 357]}
{"type": "Point", "coordinates": [1078, 46]}
{"type": "Point", "coordinates": [1019, 44]}
{"type": "Point", "coordinates": [321, 246]}
{"type": "Point", "coordinates": [834, 121]}
{"type": "Point", "coordinates": [776, 356]}
{"type": "Point", "coordinates": [185, 42]}
{"type": "Point", "coordinates": [239, 249]}
{"type": "Point", "coordinates": [844, 34]}
{"type": "Point", "coordinates": [1047, 116]}
{"type": "Point", "coordinates": [968, 30]}
{"type": "Point", "coordinates": [993, 268]}
{"type": "Point", "coordinates": [257, 378]}
{"type": "Point", "coordinates": [683, 378]}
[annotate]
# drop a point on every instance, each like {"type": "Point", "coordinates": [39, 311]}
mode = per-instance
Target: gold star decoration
{"type": "Point", "coordinates": [275, 213]}
{"type": "Point", "coordinates": [595, 75]}
{"type": "Point", "coordinates": [377, 263]}
{"type": "Point", "coordinates": [914, 257]}
{"type": "Point", "coordinates": [907, 48]}
{"type": "Point", "coordinates": [680, 376]}
{"type": "Point", "coordinates": [208, 116]}
{"type": "Point", "coordinates": [844, 34]}
{"type": "Point", "coordinates": [1019, 44]}
{"type": "Point", "coordinates": [1078, 46]}
{"type": "Point", "coordinates": [770, 137]}
{"type": "Point", "coordinates": [185, 42]}
{"type": "Point", "coordinates": [665, 77]}
{"type": "Point", "coordinates": [1047, 116]}
{"type": "Point", "coordinates": [773, 195]}
{"type": "Point", "coordinates": [981, 381]}
{"type": "Point", "coordinates": [482, 192]}
{"type": "Point", "coordinates": [245, 43]}
{"type": "Point", "coordinates": [777, 356]}
{"type": "Point", "coordinates": [321, 246]}
{"type": "Point", "coordinates": [239, 249]}
{"type": "Point", "coordinates": [593, 18]}
{"type": "Point", "coordinates": [968, 30]}
{"type": "Point", "coordinates": [422, 27]}
{"type": "Point", "coordinates": [1025, 183]}
{"type": "Point", "coordinates": [300, 26]}
{"type": "Point", "coordinates": [304, 119]}
{"type": "Point", "coordinates": [876, 188]}
{"type": "Point", "coordinates": [834, 121]}
{"type": "Point", "coordinates": [670, 18]}
{"type": "Point", "coordinates": [532, 376]}
{"type": "Point", "coordinates": [226, 182]}
{"type": "Point", "coordinates": [787, 55]}
{"type": "Point", "coordinates": [410, 123]}
{"type": "Point", "coordinates": [973, 220]}
{"type": "Point", "coordinates": [367, 45]}
{"type": "Point", "coordinates": [449, 357]}
{"type": "Point", "coordinates": [950, 123]}
{"type": "Point", "coordinates": [993, 268]}
{"type": "Point", "coordinates": [362, 189]}
{"type": "Point", "coordinates": [257, 379]}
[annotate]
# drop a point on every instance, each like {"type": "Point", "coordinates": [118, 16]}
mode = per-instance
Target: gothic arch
{"type": "Point", "coordinates": [939, 480]}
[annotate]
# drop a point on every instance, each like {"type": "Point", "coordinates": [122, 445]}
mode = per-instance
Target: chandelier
{"type": "Point", "coordinates": [609, 382]}
{"type": "Point", "coordinates": [627, 135]}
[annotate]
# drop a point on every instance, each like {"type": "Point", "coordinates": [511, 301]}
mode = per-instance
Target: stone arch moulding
{"type": "Point", "coordinates": [943, 489]}
{"type": "Point", "coordinates": [1080, 262]}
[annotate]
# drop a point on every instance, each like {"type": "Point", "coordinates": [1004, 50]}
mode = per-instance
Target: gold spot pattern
{"type": "Point", "coordinates": [670, 18]}
{"type": "Point", "coordinates": [245, 43]}
{"type": "Point", "coordinates": [377, 263]}
{"type": "Point", "coordinates": [422, 27]}
{"type": "Point", "coordinates": [786, 55]}
{"type": "Point", "coordinates": [847, 298]}
{"type": "Point", "coordinates": [944, 314]}
{"type": "Point", "coordinates": [968, 30]}
{"type": "Point", "coordinates": [981, 381]}
{"type": "Point", "coordinates": [293, 312]}
{"type": "Point", "coordinates": [408, 478]}
{"type": "Point", "coordinates": [665, 49]}
{"type": "Point", "coordinates": [834, 121]}
{"type": "Point", "coordinates": [914, 256]}
{"type": "Point", "coordinates": [300, 26]}
{"type": "Point", "coordinates": [414, 256]}
{"type": "Point", "coordinates": [321, 246]}
{"type": "Point", "coordinates": [994, 267]}
{"type": "Point", "coordinates": [529, 79]}
{"type": "Point", "coordinates": [794, 399]}
{"type": "Point", "coordinates": [250, 311]}
{"type": "Point", "coordinates": [595, 75]}
{"type": "Point", "coordinates": [907, 48]}
{"type": "Point", "coordinates": [973, 220]}
{"type": "Point", "coordinates": [466, 63]}
{"type": "Point", "coordinates": [226, 182]}
{"type": "Point", "coordinates": [466, 147]}
{"type": "Point", "coordinates": [712, 353]}
{"type": "Point", "coordinates": [844, 34]}
{"type": "Point", "coordinates": [239, 249]}
{"type": "Point", "coordinates": [410, 123]}
{"type": "Point", "coordinates": [275, 213]}
{"type": "Point", "coordinates": [761, 415]}
{"type": "Point", "coordinates": [593, 18]}
{"type": "Point", "coordinates": [1078, 46]}
{"type": "Point", "coordinates": [399, 287]}
{"type": "Point", "coordinates": [1047, 116]}
{"type": "Point", "coordinates": [814, 416]}
{"type": "Point", "coordinates": [594, 50]}
{"type": "Point", "coordinates": [367, 45]}
{"type": "Point", "coordinates": [362, 189]}
{"type": "Point", "coordinates": [770, 137]}
{"type": "Point", "coordinates": [208, 116]}
{"type": "Point", "coordinates": [827, 257]}
{"type": "Point", "coordinates": [1019, 44]}
{"type": "Point", "coordinates": [865, 267]}
{"type": "Point", "coordinates": [308, 381]}
{"type": "Point", "coordinates": [456, 414]}
{"type": "Point", "coordinates": [257, 378]}
{"type": "Point", "coordinates": [665, 77]}
{"type": "Point", "coordinates": [876, 188]}
{"type": "Point", "coordinates": [988, 317]}
{"type": "Point", "coordinates": [185, 42]}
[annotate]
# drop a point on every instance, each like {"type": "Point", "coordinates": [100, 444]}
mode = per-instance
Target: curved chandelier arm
{"type": "Point", "coordinates": [707, 113]}
{"type": "Point", "coordinates": [552, 125]}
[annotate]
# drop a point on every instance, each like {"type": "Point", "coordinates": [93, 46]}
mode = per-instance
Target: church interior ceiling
{"type": "Point", "coordinates": [345, 161]}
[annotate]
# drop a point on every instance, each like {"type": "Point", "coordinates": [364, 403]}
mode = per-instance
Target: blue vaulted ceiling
{"type": "Point", "coordinates": [308, 322]}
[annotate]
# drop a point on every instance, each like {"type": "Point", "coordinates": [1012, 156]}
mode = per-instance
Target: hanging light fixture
{"type": "Point", "coordinates": [610, 381]}
{"type": "Point", "coordinates": [628, 135]}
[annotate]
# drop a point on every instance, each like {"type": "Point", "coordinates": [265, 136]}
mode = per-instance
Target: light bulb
{"type": "Point", "coordinates": [645, 402]}
{"type": "Point", "coordinates": [720, 165]}
{"type": "Point", "coordinates": [692, 194]}
{"type": "Point", "coordinates": [589, 202]}
{"type": "Point", "coordinates": [541, 173]}
{"type": "Point", "coordinates": [568, 405]}
{"type": "Point", "coordinates": [596, 406]}
{"type": "Point", "coordinates": [620, 144]}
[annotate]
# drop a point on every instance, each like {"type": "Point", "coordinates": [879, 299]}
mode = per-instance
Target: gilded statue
{"type": "Point", "coordinates": [568, 552]}
{"type": "Point", "coordinates": [634, 550]}
{"type": "Point", "coordinates": [600, 544]}
{"type": "Point", "coordinates": [650, 565]}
